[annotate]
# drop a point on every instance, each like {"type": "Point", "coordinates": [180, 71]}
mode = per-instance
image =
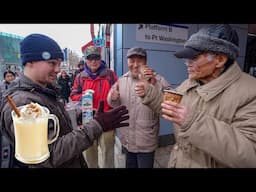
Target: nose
{"type": "Point", "coordinates": [57, 68]}
{"type": "Point", "coordinates": [136, 64]}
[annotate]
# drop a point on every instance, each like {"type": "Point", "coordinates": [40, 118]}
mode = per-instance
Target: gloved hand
{"type": "Point", "coordinates": [113, 118]}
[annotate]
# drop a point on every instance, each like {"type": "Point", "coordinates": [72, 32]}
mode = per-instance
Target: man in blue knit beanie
{"type": "Point", "coordinates": [41, 57]}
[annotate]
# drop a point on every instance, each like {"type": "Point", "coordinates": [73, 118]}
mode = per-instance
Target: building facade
{"type": "Point", "coordinates": [9, 53]}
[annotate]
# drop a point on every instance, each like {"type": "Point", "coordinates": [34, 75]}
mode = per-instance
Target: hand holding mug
{"type": "Point", "coordinates": [148, 74]}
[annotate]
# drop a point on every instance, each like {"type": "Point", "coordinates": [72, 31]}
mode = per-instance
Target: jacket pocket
{"type": "Point", "coordinates": [148, 124]}
{"type": "Point", "coordinates": [147, 134]}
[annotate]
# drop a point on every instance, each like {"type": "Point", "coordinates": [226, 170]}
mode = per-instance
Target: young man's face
{"type": "Point", "coordinates": [44, 72]}
{"type": "Point", "coordinates": [134, 64]}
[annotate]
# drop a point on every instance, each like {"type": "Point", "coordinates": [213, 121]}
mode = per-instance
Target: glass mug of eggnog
{"type": "Point", "coordinates": [31, 133]}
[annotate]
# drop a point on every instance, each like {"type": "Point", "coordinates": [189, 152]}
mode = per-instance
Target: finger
{"type": "Point", "coordinates": [117, 86]}
{"type": "Point", "coordinates": [140, 76]}
{"type": "Point", "coordinates": [120, 114]}
{"type": "Point", "coordinates": [140, 92]}
{"type": "Point", "coordinates": [169, 112]}
{"type": "Point", "coordinates": [172, 119]}
{"type": "Point", "coordinates": [101, 106]}
{"type": "Point", "coordinates": [119, 108]}
{"type": "Point", "coordinates": [139, 86]}
{"type": "Point", "coordinates": [170, 105]}
{"type": "Point", "coordinates": [121, 125]}
{"type": "Point", "coordinates": [167, 117]}
{"type": "Point", "coordinates": [123, 112]}
{"type": "Point", "coordinates": [123, 118]}
{"type": "Point", "coordinates": [117, 94]}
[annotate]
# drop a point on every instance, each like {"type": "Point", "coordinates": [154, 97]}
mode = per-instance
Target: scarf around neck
{"type": "Point", "coordinates": [96, 74]}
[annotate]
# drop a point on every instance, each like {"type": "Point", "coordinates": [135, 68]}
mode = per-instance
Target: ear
{"type": "Point", "coordinates": [221, 60]}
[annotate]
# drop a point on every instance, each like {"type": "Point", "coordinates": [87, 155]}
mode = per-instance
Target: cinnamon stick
{"type": "Point", "coordinates": [13, 105]}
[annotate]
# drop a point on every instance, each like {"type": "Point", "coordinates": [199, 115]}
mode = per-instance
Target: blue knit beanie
{"type": "Point", "coordinates": [38, 47]}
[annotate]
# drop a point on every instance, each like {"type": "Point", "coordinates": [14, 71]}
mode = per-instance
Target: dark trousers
{"type": "Point", "coordinates": [139, 160]}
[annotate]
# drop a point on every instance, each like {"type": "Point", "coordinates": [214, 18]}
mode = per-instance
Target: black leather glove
{"type": "Point", "coordinates": [113, 118]}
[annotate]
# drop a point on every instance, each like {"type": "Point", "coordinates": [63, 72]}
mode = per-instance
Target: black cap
{"type": "Point", "coordinates": [136, 51]}
{"type": "Point", "coordinates": [187, 53]}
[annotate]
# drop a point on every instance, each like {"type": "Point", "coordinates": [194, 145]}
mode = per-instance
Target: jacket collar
{"type": "Point", "coordinates": [26, 84]}
{"type": "Point", "coordinates": [216, 86]}
{"type": "Point", "coordinates": [103, 73]}
{"type": "Point", "coordinates": [128, 74]}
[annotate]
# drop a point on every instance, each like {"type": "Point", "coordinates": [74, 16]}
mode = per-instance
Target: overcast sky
{"type": "Point", "coordinates": [73, 36]}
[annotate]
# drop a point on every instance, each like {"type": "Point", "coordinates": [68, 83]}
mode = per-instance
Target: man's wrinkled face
{"type": "Point", "coordinates": [201, 66]}
{"type": "Point", "coordinates": [134, 64]}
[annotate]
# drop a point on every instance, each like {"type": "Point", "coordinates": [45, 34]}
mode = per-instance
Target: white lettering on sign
{"type": "Point", "coordinates": [156, 33]}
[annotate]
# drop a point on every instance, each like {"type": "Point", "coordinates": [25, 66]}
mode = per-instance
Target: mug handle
{"type": "Point", "coordinates": [56, 128]}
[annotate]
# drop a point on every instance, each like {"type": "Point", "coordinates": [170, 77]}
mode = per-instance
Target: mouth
{"type": "Point", "coordinates": [53, 77]}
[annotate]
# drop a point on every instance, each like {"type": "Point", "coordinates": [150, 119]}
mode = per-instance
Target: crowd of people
{"type": "Point", "coordinates": [214, 124]}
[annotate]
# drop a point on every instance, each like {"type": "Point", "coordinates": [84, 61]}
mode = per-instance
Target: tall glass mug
{"type": "Point", "coordinates": [31, 136]}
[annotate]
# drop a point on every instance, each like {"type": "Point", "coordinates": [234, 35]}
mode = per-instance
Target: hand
{"type": "Point", "coordinates": [140, 88]}
{"type": "Point", "coordinates": [113, 118]}
{"type": "Point", "coordinates": [115, 94]}
{"type": "Point", "coordinates": [174, 112]}
{"type": "Point", "coordinates": [147, 74]}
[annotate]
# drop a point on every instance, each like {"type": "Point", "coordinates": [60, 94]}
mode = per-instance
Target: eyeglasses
{"type": "Point", "coordinates": [93, 57]}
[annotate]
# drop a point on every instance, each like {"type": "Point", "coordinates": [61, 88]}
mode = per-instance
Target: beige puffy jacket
{"type": "Point", "coordinates": [221, 128]}
{"type": "Point", "coordinates": [142, 133]}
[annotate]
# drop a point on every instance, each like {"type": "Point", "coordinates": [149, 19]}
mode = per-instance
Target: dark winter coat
{"type": "Point", "coordinates": [66, 151]}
